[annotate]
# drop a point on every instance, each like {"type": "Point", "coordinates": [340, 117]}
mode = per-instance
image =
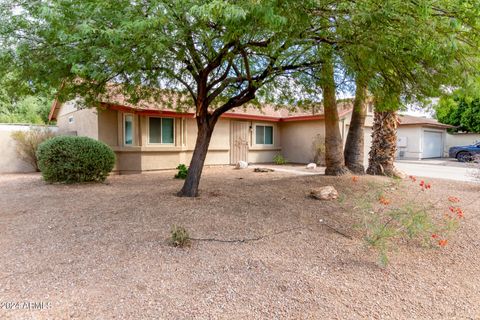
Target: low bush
{"type": "Point", "coordinates": [179, 237]}
{"type": "Point", "coordinates": [28, 142]}
{"type": "Point", "coordinates": [72, 159]}
{"type": "Point", "coordinates": [182, 172]}
{"type": "Point", "coordinates": [279, 159]}
{"type": "Point", "coordinates": [385, 224]}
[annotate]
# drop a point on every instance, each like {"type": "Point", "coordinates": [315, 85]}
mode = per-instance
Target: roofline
{"type": "Point", "coordinates": [55, 106]}
{"type": "Point", "coordinates": [173, 114]}
{"type": "Point", "coordinates": [426, 124]}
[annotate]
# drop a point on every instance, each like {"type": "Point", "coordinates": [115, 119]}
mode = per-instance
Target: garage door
{"type": "Point", "coordinates": [432, 144]}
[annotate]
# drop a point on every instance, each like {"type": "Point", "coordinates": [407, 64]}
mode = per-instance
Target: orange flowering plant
{"type": "Point", "coordinates": [384, 223]}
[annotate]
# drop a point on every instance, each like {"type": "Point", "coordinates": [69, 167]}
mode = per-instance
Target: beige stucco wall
{"type": "Point", "coordinates": [413, 135]}
{"type": "Point", "coordinates": [84, 121]}
{"type": "Point", "coordinates": [298, 139]}
{"type": "Point", "coordinates": [294, 140]}
{"type": "Point", "coordinates": [108, 127]}
{"type": "Point", "coordinates": [9, 160]}
{"type": "Point", "coordinates": [261, 153]}
{"type": "Point", "coordinates": [460, 139]}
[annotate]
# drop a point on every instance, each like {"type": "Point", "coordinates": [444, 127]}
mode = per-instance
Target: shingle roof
{"type": "Point", "coordinates": [407, 120]}
{"type": "Point", "coordinates": [115, 98]}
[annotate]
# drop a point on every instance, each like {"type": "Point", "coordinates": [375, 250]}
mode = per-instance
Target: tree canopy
{"type": "Point", "coordinates": [461, 108]}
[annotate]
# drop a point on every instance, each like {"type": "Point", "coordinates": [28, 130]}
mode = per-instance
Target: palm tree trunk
{"type": "Point", "coordinates": [333, 140]}
{"type": "Point", "coordinates": [354, 145]}
{"type": "Point", "coordinates": [384, 144]}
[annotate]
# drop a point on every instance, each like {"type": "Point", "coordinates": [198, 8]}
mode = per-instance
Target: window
{"type": "Point", "coordinates": [160, 130]}
{"type": "Point", "coordinates": [264, 135]}
{"type": "Point", "coordinates": [128, 129]}
{"type": "Point", "coordinates": [70, 119]}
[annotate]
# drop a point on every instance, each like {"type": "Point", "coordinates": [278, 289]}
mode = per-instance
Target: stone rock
{"type": "Point", "coordinates": [311, 166]}
{"type": "Point", "coordinates": [324, 193]}
{"type": "Point", "coordinates": [263, 170]}
{"type": "Point", "coordinates": [399, 174]}
{"type": "Point", "coordinates": [242, 165]}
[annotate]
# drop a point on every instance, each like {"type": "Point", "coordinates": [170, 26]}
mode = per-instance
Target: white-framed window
{"type": "Point", "coordinates": [128, 129]}
{"type": "Point", "coordinates": [161, 130]}
{"type": "Point", "coordinates": [263, 134]}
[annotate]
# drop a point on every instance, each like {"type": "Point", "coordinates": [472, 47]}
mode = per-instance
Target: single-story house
{"type": "Point", "coordinates": [149, 137]}
{"type": "Point", "coordinates": [420, 138]}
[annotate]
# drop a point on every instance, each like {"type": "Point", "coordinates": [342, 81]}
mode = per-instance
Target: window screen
{"type": "Point", "coordinates": [264, 135]}
{"type": "Point", "coordinates": [160, 130]}
{"type": "Point", "coordinates": [128, 129]}
{"type": "Point", "coordinates": [260, 132]}
{"type": "Point", "coordinates": [167, 130]}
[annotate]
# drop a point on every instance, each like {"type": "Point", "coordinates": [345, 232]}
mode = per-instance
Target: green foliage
{"type": "Point", "coordinates": [384, 224]}
{"type": "Point", "coordinates": [28, 142]}
{"type": "Point", "coordinates": [461, 109]}
{"type": "Point", "coordinates": [279, 159]}
{"type": "Point", "coordinates": [182, 172]}
{"type": "Point", "coordinates": [179, 237]}
{"type": "Point", "coordinates": [72, 159]}
{"type": "Point", "coordinates": [29, 109]}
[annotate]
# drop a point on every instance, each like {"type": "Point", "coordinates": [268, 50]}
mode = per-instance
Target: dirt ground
{"type": "Point", "coordinates": [100, 251]}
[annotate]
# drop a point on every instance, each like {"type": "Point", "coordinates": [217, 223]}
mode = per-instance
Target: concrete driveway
{"type": "Point", "coordinates": [449, 169]}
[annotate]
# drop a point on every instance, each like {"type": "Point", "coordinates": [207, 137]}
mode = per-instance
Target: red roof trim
{"type": "Point", "coordinates": [304, 118]}
{"type": "Point", "coordinates": [150, 112]}
{"type": "Point", "coordinates": [250, 117]}
{"type": "Point", "coordinates": [174, 114]}
{"type": "Point", "coordinates": [53, 108]}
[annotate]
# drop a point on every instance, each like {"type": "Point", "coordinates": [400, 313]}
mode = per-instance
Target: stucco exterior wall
{"type": "Point", "coordinates": [262, 153]}
{"type": "Point", "coordinates": [460, 139]}
{"type": "Point", "coordinates": [413, 136]}
{"type": "Point", "coordinates": [9, 161]}
{"type": "Point", "coordinates": [80, 122]}
{"type": "Point", "coordinates": [299, 139]}
{"type": "Point", "coordinates": [108, 127]}
{"type": "Point", "coordinates": [294, 140]}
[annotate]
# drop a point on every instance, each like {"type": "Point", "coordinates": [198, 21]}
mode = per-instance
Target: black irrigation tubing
{"type": "Point", "coordinates": [246, 239]}
{"type": "Point", "coordinates": [267, 235]}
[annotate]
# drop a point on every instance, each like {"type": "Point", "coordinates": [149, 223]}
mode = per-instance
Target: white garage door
{"type": "Point", "coordinates": [432, 144]}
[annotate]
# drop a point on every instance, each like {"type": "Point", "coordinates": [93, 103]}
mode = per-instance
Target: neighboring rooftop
{"type": "Point", "coordinates": [406, 120]}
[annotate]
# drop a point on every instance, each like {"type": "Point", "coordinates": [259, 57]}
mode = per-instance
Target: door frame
{"type": "Point", "coordinates": [246, 141]}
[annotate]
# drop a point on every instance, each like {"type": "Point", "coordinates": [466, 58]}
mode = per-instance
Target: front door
{"type": "Point", "coordinates": [239, 141]}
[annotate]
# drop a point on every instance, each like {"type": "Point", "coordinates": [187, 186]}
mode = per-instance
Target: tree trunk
{"type": "Point", "coordinates": [354, 145]}
{"type": "Point", "coordinates": [333, 140]}
{"type": "Point", "coordinates": [205, 126]}
{"type": "Point", "coordinates": [384, 144]}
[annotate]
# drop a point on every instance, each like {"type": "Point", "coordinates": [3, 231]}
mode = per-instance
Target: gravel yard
{"type": "Point", "coordinates": [100, 251]}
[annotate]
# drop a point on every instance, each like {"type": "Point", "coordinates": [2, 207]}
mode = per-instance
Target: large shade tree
{"type": "Point", "coordinates": [219, 53]}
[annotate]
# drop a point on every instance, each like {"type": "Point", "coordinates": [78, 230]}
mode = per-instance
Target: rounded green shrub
{"type": "Point", "coordinates": [72, 159]}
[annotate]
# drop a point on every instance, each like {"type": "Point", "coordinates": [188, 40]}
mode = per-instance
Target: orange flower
{"type": "Point", "coordinates": [459, 212]}
{"type": "Point", "coordinates": [413, 178]}
{"type": "Point", "coordinates": [384, 201]}
{"type": "Point", "coordinates": [453, 199]}
{"type": "Point", "coordinates": [443, 242]}
{"type": "Point", "coordinates": [434, 236]}
{"type": "Point", "coordinates": [354, 178]}
{"type": "Point", "coordinates": [456, 210]}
